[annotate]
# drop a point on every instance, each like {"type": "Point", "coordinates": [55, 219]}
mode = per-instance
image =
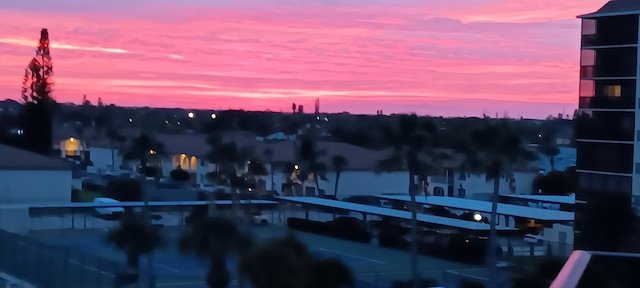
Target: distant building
{"type": "Point", "coordinates": [608, 154]}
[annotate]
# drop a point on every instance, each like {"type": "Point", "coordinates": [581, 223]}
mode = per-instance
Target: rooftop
{"type": "Point", "coordinates": [616, 8]}
{"type": "Point", "coordinates": [18, 159]}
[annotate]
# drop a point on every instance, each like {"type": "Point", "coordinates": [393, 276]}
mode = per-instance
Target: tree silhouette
{"type": "Point", "coordinates": [413, 151]}
{"type": "Point", "coordinates": [338, 162]}
{"type": "Point", "coordinates": [213, 239]}
{"type": "Point", "coordinates": [268, 153]}
{"type": "Point", "coordinates": [287, 263]}
{"type": "Point", "coordinates": [135, 236]}
{"type": "Point", "coordinates": [36, 116]}
{"type": "Point", "coordinates": [495, 149]}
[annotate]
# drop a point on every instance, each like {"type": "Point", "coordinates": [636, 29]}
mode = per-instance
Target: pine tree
{"type": "Point", "coordinates": [37, 113]}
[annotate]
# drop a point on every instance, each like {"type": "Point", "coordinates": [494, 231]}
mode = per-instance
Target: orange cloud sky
{"type": "Point", "coordinates": [462, 57]}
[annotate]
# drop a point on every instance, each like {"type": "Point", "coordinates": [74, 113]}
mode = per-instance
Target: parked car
{"type": "Point", "coordinates": [204, 187]}
{"type": "Point", "coordinates": [112, 172]}
{"type": "Point", "coordinates": [108, 212]}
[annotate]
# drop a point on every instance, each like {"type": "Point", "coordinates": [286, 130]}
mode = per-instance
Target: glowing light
{"type": "Point", "coordinates": [214, 116]}
{"type": "Point", "coordinates": [477, 217]}
{"type": "Point", "coordinates": [296, 167]}
{"type": "Point", "coordinates": [72, 139]}
{"type": "Point", "coordinates": [191, 115]}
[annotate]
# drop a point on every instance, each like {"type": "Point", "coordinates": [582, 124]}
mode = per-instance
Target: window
{"type": "Point", "coordinates": [202, 163]}
{"type": "Point", "coordinates": [605, 157]}
{"type": "Point", "coordinates": [587, 57]}
{"type": "Point", "coordinates": [638, 135]}
{"type": "Point", "coordinates": [604, 183]}
{"type": "Point", "coordinates": [587, 88]}
{"type": "Point", "coordinates": [637, 168]}
{"type": "Point", "coordinates": [606, 125]}
{"type": "Point", "coordinates": [612, 90]}
{"type": "Point", "coordinates": [589, 27]}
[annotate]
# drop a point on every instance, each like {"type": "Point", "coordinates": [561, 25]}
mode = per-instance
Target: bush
{"type": "Point", "coordinates": [75, 195]}
{"type": "Point", "coordinates": [392, 237]}
{"type": "Point", "coordinates": [349, 228]}
{"type": "Point", "coordinates": [151, 171]}
{"type": "Point", "coordinates": [90, 186]}
{"type": "Point", "coordinates": [471, 284]}
{"type": "Point", "coordinates": [179, 175]}
{"type": "Point", "coordinates": [123, 189]}
{"type": "Point", "coordinates": [305, 225]}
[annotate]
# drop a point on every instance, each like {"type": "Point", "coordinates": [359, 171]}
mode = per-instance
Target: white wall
{"type": "Point", "coordinates": [35, 186]}
{"type": "Point", "coordinates": [366, 183]}
{"type": "Point", "coordinates": [101, 158]}
{"type": "Point", "coordinates": [553, 233]}
{"type": "Point", "coordinates": [353, 183]}
{"type": "Point", "coordinates": [476, 185]}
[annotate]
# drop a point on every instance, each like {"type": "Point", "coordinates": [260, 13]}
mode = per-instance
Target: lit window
{"type": "Point", "coordinates": [612, 90]}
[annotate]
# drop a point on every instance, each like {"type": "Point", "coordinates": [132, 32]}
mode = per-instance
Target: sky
{"type": "Point", "coordinates": [434, 57]}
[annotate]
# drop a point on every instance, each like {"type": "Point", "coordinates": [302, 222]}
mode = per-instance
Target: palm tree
{"type": "Point", "coordinates": [339, 162]}
{"type": "Point", "coordinates": [550, 150]}
{"type": "Point", "coordinates": [114, 137]}
{"type": "Point", "coordinates": [495, 149]}
{"type": "Point", "coordinates": [309, 155]}
{"type": "Point", "coordinates": [213, 239]}
{"type": "Point", "coordinates": [410, 142]}
{"type": "Point", "coordinates": [135, 236]}
{"type": "Point", "coordinates": [286, 263]}
{"type": "Point", "coordinates": [268, 153]}
{"type": "Point", "coordinates": [142, 148]}
{"type": "Point", "coordinates": [228, 157]}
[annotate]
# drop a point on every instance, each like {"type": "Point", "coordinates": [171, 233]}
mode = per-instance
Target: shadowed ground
{"type": "Point", "coordinates": [373, 266]}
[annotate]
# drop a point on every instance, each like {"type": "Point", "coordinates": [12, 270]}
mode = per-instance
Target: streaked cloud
{"type": "Point", "coordinates": [458, 57]}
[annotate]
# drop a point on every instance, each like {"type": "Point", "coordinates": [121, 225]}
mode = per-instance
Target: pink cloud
{"type": "Point", "coordinates": [354, 58]}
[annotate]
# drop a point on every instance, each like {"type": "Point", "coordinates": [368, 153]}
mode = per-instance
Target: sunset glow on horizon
{"type": "Point", "coordinates": [436, 57]}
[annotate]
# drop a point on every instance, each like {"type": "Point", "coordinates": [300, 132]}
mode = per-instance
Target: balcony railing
{"type": "Point", "coordinates": [576, 265]}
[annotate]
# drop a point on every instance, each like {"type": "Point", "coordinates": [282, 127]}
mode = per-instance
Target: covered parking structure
{"type": "Point", "coordinates": [366, 210]}
{"type": "Point", "coordinates": [539, 214]}
{"type": "Point", "coordinates": [83, 215]}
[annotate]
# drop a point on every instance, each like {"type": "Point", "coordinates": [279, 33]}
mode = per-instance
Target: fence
{"type": "Point", "coordinates": [55, 267]}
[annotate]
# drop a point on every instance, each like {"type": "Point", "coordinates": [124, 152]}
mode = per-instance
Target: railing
{"type": "Point", "coordinates": [574, 268]}
{"type": "Point", "coordinates": [55, 267]}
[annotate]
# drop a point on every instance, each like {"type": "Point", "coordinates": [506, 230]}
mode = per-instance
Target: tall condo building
{"type": "Point", "coordinates": [608, 125]}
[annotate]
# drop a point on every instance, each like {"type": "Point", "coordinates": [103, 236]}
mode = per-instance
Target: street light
{"type": "Point", "coordinates": [191, 115]}
{"type": "Point", "coordinates": [214, 116]}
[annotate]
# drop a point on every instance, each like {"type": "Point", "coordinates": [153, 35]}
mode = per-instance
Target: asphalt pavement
{"type": "Point", "coordinates": [91, 260]}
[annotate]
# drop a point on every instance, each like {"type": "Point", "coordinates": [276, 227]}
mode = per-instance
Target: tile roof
{"type": "Point", "coordinates": [12, 158]}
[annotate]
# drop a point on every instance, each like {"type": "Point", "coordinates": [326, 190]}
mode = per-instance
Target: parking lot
{"type": "Point", "coordinates": [373, 266]}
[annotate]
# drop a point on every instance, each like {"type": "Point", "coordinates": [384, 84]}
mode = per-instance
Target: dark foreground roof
{"type": "Point", "coordinates": [616, 7]}
{"type": "Point", "coordinates": [12, 158]}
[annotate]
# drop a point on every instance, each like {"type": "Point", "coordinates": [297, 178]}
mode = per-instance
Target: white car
{"type": "Point", "coordinates": [109, 212]}
{"type": "Point", "coordinates": [532, 238]}
{"type": "Point", "coordinates": [112, 172]}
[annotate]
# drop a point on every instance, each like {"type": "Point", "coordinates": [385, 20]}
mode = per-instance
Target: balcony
{"type": "Point", "coordinates": [613, 30]}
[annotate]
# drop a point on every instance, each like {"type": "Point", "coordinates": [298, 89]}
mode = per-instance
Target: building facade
{"type": "Point", "coordinates": [608, 122]}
